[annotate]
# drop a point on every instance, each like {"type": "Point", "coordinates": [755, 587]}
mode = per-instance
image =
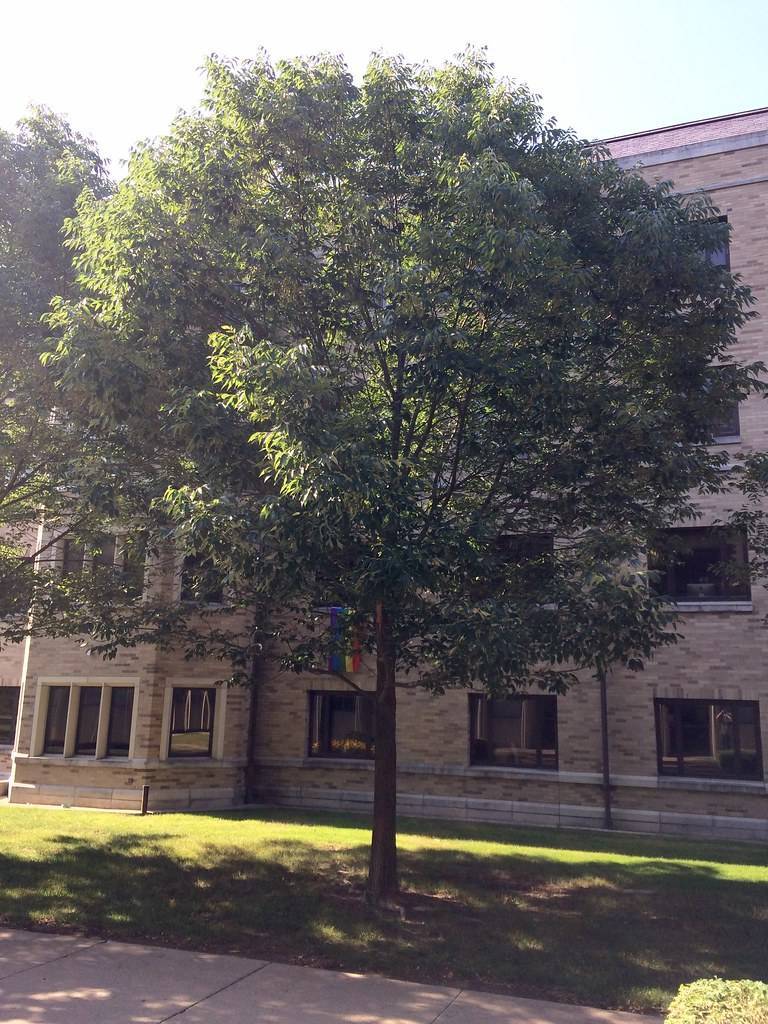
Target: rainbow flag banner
{"type": "Point", "coordinates": [340, 661]}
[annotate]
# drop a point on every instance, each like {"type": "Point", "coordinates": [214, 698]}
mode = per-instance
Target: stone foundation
{"type": "Point", "coordinates": [564, 800]}
{"type": "Point", "coordinates": [172, 787]}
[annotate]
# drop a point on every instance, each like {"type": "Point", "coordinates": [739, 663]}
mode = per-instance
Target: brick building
{"type": "Point", "coordinates": [685, 735]}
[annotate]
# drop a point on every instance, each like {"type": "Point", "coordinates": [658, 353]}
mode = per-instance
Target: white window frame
{"type": "Point", "coordinates": [219, 718]}
{"type": "Point", "coordinates": [40, 715]}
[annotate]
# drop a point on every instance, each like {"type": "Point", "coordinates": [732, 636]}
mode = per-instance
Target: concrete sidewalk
{"type": "Point", "coordinates": [56, 979]}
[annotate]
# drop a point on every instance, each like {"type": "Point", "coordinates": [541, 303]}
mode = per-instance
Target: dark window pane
{"type": "Point", "coordinates": [700, 564]}
{"type": "Point", "coordinates": [9, 709]}
{"type": "Point", "coordinates": [519, 732]}
{"type": "Point", "coordinates": [709, 739]}
{"type": "Point", "coordinates": [56, 720]}
{"type": "Point", "coordinates": [522, 560]}
{"type": "Point", "coordinates": [341, 725]}
{"type": "Point", "coordinates": [668, 740]}
{"type": "Point", "coordinates": [192, 711]}
{"type": "Point", "coordinates": [747, 718]}
{"type": "Point", "coordinates": [525, 548]}
{"type": "Point", "coordinates": [88, 719]}
{"type": "Point", "coordinates": [72, 557]}
{"type": "Point", "coordinates": [726, 422]}
{"type": "Point", "coordinates": [103, 552]}
{"type": "Point", "coordinates": [530, 553]}
{"type": "Point", "coordinates": [199, 583]}
{"type": "Point", "coordinates": [120, 718]}
{"type": "Point", "coordinates": [729, 425]}
{"type": "Point", "coordinates": [721, 256]}
{"type": "Point", "coordinates": [132, 558]}
{"type": "Point", "coordinates": [699, 739]}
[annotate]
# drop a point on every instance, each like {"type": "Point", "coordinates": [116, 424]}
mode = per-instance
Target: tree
{"type": "Point", "coordinates": [44, 166]}
{"type": "Point", "coordinates": [387, 340]}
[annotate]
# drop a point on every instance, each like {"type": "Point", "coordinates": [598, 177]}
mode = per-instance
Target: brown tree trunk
{"type": "Point", "coordinates": [382, 869]}
{"type": "Point", "coordinates": [607, 809]}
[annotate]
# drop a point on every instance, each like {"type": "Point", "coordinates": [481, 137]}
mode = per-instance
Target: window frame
{"type": "Point", "coordinates": [726, 264]}
{"type": "Point", "coordinates": [476, 698]}
{"type": "Point", "coordinates": [668, 571]}
{"type": "Point", "coordinates": [663, 772]}
{"type": "Point", "coordinates": [14, 717]}
{"type": "Point", "coordinates": [312, 696]}
{"type": "Point", "coordinates": [96, 552]}
{"type": "Point", "coordinates": [107, 751]}
{"type": "Point", "coordinates": [218, 725]}
{"type": "Point", "coordinates": [68, 545]}
{"type": "Point", "coordinates": [67, 718]}
{"type": "Point", "coordinates": [106, 685]}
{"type": "Point", "coordinates": [77, 752]}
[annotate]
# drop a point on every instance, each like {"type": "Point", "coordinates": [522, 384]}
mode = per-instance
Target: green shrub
{"type": "Point", "coordinates": [714, 1001]}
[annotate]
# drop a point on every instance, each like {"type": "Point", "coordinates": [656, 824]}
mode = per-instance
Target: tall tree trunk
{"type": "Point", "coordinates": [382, 869]}
{"type": "Point", "coordinates": [607, 810]}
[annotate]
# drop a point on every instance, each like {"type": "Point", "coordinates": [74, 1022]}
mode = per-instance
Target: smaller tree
{"type": "Point", "coordinates": [44, 166]}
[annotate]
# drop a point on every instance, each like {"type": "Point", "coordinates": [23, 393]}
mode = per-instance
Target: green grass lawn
{"type": "Point", "coordinates": [615, 921]}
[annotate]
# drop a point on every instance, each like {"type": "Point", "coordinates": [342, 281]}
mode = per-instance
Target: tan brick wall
{"type": "Point", "coordinates": [117, 782]}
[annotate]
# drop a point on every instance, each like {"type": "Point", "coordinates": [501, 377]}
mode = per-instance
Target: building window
{"type": "Point", "coordinates": [56, 720]}
{"type": "Point", "coordinates": [120, 721]}
{"type": "Point", "coordinates": [341, 725]}
{"type": "Point", "coordinates": [721, 256]}
{"type": "Point", "coordinates": [199, 584]}
{"type": "Point", "coordinates": [518, 732]}
{"type": "Point", "coordinates": [527, 548]}
{"type": "Point", "coordinates": [72, 555]}
{"type": "Point", "coordinates": [700, 564]}
{"type": "Point", "coordinates": [9, 710]}
{"type": "Point", "coordinates": [109, 552]}
{"type": "Point", "coordinates": [88, 720]}
{"type": "Point", "coordinates": [103, 552]}
{"type": "Point", "coordinates": [528, 557]}
{"type": "Point", "coordinates": [727, 425]}
{"type": "Point", "coordinates": [530, 552]}
{"type": "Point", "coordinates": [709, 738]}
{"type": "Point", "coordinates": [79, 715]}
{"type": "Point", "coordinates": [131, 559]}
{"type": "Point", "coordinates": [192, 714]}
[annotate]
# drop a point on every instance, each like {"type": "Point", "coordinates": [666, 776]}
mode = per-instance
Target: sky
{"type": "Point", "coordinates": [121, 71]}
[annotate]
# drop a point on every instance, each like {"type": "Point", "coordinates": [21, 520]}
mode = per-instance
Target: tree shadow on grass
{"type": "Point", "coordinates": [610, 934]}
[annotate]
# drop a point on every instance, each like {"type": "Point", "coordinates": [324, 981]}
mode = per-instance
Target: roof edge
{"type": "Point", "coordinates": [681, 124]}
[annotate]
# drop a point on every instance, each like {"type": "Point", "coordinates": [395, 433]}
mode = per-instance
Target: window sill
{"type": "Point", "coordinates": [78, 760]}
{"type": "Point", "coordinates": [350, 763]}
{"type": "Point", "coordinates": [727, 439]}
{"type": "Point", "coordinates": [714, 785]}
{"type": "Point", "coordinates": [174, 759]}
{"type": "Point", "coordinates": [490, 771]}
{"type": "Point", "coordinates": [740, 607]}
